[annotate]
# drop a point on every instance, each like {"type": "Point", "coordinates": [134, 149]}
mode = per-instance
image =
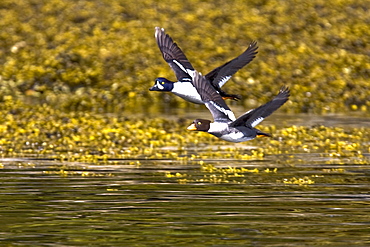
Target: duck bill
{"type": "Point", "coordinates": [192, 127]}
{"type": "Point", "coordinates": [154, 88]}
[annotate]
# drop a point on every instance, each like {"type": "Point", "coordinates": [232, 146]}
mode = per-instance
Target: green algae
{"type": "Point", "coordinates": [101, 56]}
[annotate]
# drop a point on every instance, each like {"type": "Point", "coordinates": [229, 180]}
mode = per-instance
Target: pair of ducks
{"type": "Point", "coordinates": [194, 87]}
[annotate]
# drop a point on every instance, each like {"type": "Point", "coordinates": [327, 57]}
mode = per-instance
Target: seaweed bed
{"type": "Point", "coordinates": [42, 132]}
{"type": "Point", "coordinates": [64, 65]}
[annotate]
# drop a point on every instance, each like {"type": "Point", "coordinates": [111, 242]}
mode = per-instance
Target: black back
{"type": "Point", "coordinates": [222, 74]}
{"type": "Point", "coordinates": [253, 117]}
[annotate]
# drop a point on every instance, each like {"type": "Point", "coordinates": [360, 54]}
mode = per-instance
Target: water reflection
{"type": "Point", "coordinates": [280, 200]}
{"type": "Point", "coordinates": [119, 203]}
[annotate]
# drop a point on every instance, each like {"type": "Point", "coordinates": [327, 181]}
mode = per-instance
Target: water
{"type": "Point", "coordinates": [293, 200]}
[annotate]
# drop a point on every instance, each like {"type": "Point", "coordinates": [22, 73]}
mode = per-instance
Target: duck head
{"type": "Point", "coordinates": [200, 125]}
{"type": "Point", "coordinates": [162, 84]}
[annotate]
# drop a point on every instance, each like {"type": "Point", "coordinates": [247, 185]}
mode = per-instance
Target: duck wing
{"type": "Point", "coordinates": [220, 75]}
{"type": "Point", "coordinates": [254, 117]}
{"type": "Point", "coordinates": [212, 99]}
{"type": "Point", "coordinates": [173, 55]}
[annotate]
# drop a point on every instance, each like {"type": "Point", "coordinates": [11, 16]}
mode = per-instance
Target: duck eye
{"type": "Point", "coordinates": [199, 123]}
{"type": "Point", "coordinates": [162, 82]}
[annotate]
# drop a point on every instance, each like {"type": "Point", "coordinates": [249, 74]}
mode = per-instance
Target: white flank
{"type": "Point", "coordinates": [218, 127]}
{"type": "Point", "coordinates": [187, 91]}
{"type": "Point", "coordinates": [235, 137]}
{"type": "Point", "coordinates": [230, 134]}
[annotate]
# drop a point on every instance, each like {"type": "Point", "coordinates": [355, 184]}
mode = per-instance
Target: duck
{"type": "Point", "coordinates": [223, 126]}
{"type": "Point", "coordinates": [184, 71]}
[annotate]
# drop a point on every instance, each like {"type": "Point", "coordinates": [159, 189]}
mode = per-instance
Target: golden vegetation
{"type": "Point", "coordinates": [102, 56]}
{"type": "Point", "coordinates": [40, 131]}
{"type": "Point", "coordinates": [64, 65]}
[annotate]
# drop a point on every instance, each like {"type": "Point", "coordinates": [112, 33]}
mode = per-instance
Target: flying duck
{"type": "Point", "coordinates": [184, 71]}
{"type": "Point", "coordinates": [239, 130]}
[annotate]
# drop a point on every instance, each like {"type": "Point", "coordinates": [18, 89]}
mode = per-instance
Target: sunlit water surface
{"type": "Point", "coordinates": [120, 203]}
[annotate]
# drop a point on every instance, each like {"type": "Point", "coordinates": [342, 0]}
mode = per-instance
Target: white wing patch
{"type": "Point", "coordinates": [223, 80]}
{"type": "Point", "coordinates": [186, 80]}
{"type": "Point", "coordinates": [157, 31]}
{"type": "Point", "coordinates": [187, 71]}
{"type": "Point", "coordinates": [248, 112]}
{"type": "Point", "coordinates": [192, 73]}
{"type": "Point", "coordinates": [257, 121]}
{"type": "Point", "coordinates": [228, 113]}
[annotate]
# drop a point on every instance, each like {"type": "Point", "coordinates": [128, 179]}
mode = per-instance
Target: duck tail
{"type": "Point", "coordinates": [262, 134]}
{"type": "Point", "coordinates": [229, 96]}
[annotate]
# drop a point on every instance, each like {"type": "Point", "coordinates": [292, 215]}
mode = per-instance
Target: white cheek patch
{"type": "Point", "coordinates": [161, 87]}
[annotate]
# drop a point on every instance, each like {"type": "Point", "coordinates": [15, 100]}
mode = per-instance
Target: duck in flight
{"type": "Point", "coordinates": [184, 71]}
{"type": "Point", "coordinates": [224, 127]}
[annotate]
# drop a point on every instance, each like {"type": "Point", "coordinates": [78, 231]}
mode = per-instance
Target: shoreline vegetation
{"type": "Point", "coordinates": [35, 132]}
{"type": "Point", "coordinates": [65, 65]}
{"type": "Point", "coordinates": [102, 55]}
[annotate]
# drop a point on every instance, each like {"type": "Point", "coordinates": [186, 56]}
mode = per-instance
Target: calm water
{"type": "Point", "coordinates": [120, 203]}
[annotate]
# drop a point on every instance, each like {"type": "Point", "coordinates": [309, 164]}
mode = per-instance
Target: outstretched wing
{"type": "Point", "coordinates": [254, 117]}
{"type": "Point", "coordinates": [212, 99]}
{"type": "Point", "coordinates": [220, 75]}
{"type": "Point", "coordinates": [173, 55]}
